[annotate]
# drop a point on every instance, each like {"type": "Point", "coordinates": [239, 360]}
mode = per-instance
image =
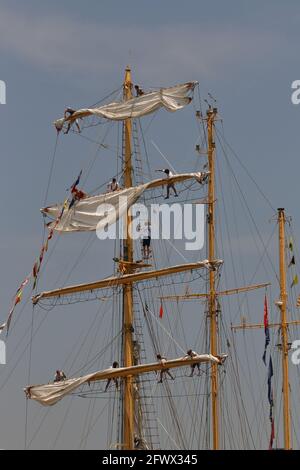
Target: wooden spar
{"type": "Point", "coordinates": [254, 326]}
{"type": "Point", "coordinates": [55, 210]}
{"type": "Point", "coordinates": [126, 279]}
{"type": "Point", "coordinates": [212, 307]}
{"type": "Point", "coordinates": [221, 293]}
{"type": "Point", "coordinates": [123, 372]}
{"type": "Point", "coordinates": [173, 179]}
{"type": "Point", "coordinates": [284, 332]}
{"type": "Point", "coordinates": [50, 394]}
{"type": "Point", "coordinates": [144, 368]}
{"type": "Point", "coordinates": [128, 314]}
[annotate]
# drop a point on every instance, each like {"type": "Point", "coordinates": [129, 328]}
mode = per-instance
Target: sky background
{"type": "Point", "coordinates": [73, 53]}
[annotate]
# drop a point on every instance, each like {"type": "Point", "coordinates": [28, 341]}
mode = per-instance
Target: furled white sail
{"type": "Point", "coordinates": [52, 393]}
{"type": "Point", "coordinates": [172, 99]}
{"type": "Point", "coordinates": [97, 212]}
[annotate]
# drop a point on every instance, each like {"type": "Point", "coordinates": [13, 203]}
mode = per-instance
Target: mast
{"type": "Point", "coordinates": [283, 324]}
{"type": "Point", "coordinates": [211, 115]}
{"type": "Point", "coordinates": [128, 277]}
{"type": "Point", "coordinates": [284, 332]}
{"type": "Point", "coordinates": [128, 396]}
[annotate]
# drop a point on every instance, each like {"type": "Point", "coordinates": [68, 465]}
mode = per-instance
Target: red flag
{"type": "Point", "coordinates": [42, 254]}
{"type": "Point", "coordinates": [50, 235]}
{"type": "Point", "coordinates": [35, 270]}
{"type": "Point", "coordinates": [161, 311]}
{"type": "Point", "coordinates": [267, 332]}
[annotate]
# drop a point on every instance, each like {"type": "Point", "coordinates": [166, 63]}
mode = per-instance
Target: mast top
{"type": "Point", "coordinates": [212, 110]}
{"type": "Point", "coordinates": [127, 85]}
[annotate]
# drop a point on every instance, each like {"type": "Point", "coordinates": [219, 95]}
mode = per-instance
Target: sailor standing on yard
{"type": "Point", "coordinates": [162, 360]}
{"type": "Point", "coordinates": [192, 354]}
{"type": "Point", "coordinates": [169, 174]}
{"type": "Point", "coordinates": [59, 376]}
{"type": "Point", "coordinates": [138, 90]}
{"type": "Point", "coordinates": [114, 366]}
{"type": "Point", "coordinates": [67, 114]}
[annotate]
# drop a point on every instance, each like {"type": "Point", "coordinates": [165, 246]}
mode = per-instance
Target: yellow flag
{"type": "Point", "coordinates": [295, 281]}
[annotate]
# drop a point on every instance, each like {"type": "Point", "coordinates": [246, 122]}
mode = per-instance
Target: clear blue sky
{"type": "Point", "coordinates": [57, 53]}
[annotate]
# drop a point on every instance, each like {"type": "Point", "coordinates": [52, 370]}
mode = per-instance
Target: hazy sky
{"type": "Point", "coordinates": [57, 53]}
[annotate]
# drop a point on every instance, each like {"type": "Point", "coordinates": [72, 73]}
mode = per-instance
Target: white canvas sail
{"type": "Point", "coordinates": [172, 99]}
{"type": "Point", "coordinates": [96, 212]}
{"type": "Point", "coordinates": [52, 393]}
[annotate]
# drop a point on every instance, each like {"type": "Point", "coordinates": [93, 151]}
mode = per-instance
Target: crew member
{"type": "Point", "coordinates": [114, 366]}
{"type": "Point", "coordinates": [162, 360]}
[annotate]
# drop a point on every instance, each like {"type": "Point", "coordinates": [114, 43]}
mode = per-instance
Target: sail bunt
{"type": "Point", "coordinates": [172, 99]}
{"type": "Point", "coordinates": [50, 394]}
{"type": "Point", "coordinates": [97, 212]}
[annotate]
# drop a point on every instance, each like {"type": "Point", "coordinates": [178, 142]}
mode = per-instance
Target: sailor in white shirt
{"type": "Point", "coordinates": [113, 186]}
{"type": "Point", "coordinates": [168, 174]}
{"type": "Point", "coordinates": [146, 235]}
{"type": "Point", "coordinates": [162, 360]}
{"type": "Point", "coordinates": [191, 353]}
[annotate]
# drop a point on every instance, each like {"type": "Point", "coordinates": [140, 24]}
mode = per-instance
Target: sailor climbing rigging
{"type": "Point", "coordinates": [146, 237]}
{"type": "Point", "coordinates": [77, 194]}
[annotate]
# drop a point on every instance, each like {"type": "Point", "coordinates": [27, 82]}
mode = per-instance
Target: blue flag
{"type": "Point", "coordinates": [270, 375]}
{"type": "Point", "coordinates": [76, 182]}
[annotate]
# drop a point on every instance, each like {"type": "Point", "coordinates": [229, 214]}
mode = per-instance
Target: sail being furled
{"type": "Point", "coordinates": [52, 393]}
{"type": "Point", "coordinates": [172, 99]}
{"type": "Point", "coordinates": [98, 212]}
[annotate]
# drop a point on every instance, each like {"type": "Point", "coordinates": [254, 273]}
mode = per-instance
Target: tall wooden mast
{"type": "Point", "coordinates": [211, 115]}
{"type": "Point", "coordinates": [129, 277]}
{"type": "Point", "coordinates": [128, 397]}
{"type": "Point", "coordinates": [283, 324]}
{"type": "Point", "coordinates": [284, 333]}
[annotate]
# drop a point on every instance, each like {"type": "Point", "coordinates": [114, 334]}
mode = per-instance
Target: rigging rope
{"type": "Point", "coordinates": [247, 172]}
{"type": "Point", "coordinates": [28, 377]}
{"type": "Point", "coordinates": [51, 170]}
